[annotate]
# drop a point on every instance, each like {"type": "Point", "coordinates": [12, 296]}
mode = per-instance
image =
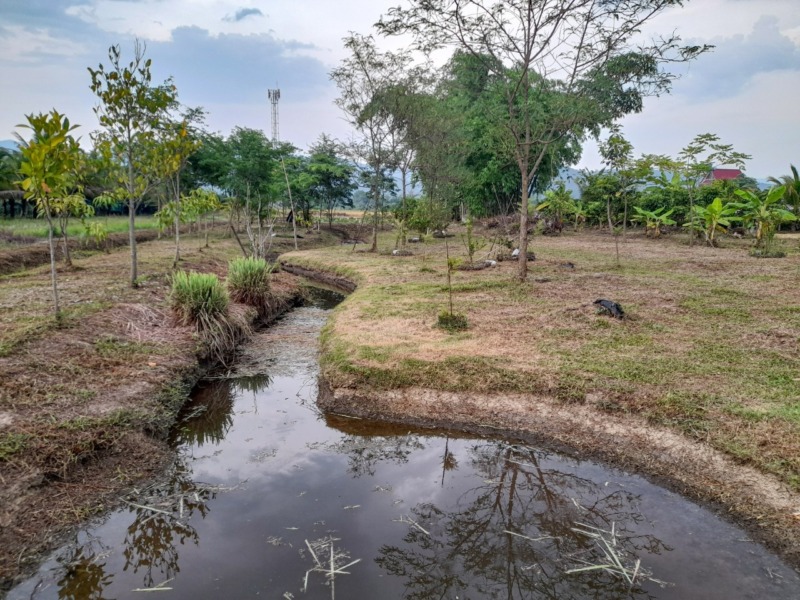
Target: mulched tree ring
{"type": "Point", "coordinates": [477, 266]}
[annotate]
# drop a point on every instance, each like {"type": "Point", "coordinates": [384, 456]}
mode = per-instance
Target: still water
{"type": "Point", "coordinates": [268, 498]}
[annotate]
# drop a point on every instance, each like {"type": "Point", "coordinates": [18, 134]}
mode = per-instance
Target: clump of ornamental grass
{"type": "Point", "coordinates": [201, 300]}
{"type": "Point", "coordinates": [248, 282]}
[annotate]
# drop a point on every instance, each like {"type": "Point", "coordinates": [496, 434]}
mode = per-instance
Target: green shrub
{"type": "Point", "coordinates": [452, 321]}
{"type": "Point", "coordinates": [764, 253]}
{"type": "Point", "coordinates": [248, 282]}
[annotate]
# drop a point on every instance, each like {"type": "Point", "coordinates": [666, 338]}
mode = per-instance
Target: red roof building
{"type": "Point", "coordinates": [721, 174]}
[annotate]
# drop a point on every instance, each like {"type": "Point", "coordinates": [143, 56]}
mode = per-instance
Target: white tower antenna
{"type": "Point", "coordinates": [274, 96]}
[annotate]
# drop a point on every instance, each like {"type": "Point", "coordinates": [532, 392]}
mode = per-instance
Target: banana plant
{"type": "Point", "coordinates": [764, 213]}
{"type": "Point", "coordinates": [712, 219]}
{"type": "Point", "coordinates": [653, 219]}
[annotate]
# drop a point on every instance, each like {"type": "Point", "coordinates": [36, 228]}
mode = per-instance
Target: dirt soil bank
{"type": "Point", "coordinates": [38, 253]}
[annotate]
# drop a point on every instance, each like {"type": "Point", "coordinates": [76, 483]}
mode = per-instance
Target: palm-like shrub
{"type": "Point", "coordinates": [766, 213]}
{"type": "Point", "coordinates": [653, 219]}
{"type": "Point", "coordinates": [712, 219]}
{"type": "Point", "coordinates": [248, 282]}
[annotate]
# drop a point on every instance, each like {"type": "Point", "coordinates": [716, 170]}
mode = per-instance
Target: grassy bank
{"type": "Point", "coordinates": [37, 228]}
{"type": "Point", "coordinates": [710, 347]}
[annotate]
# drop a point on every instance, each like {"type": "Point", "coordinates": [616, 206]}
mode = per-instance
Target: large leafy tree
{"type": "Point", "coordinates": [50, 163]}
{"type": "Point", "coordinates": [131, 112]}
{"type": "Point", "coordinates": [581, 56]}
{"type": "Point", "coordinates": [253, 176]}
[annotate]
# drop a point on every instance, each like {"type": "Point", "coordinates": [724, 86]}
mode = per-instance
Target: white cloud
{"type": "Point", "coordinates": [760, 121]}
{"type": "Point", "coordinates": [22, 45]}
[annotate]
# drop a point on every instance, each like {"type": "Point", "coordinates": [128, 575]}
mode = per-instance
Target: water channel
{"type": "Point", "coordinates": [268, 498]}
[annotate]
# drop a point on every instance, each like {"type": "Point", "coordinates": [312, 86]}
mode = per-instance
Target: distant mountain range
{"type": "Point", "coordinates": [9, 144]}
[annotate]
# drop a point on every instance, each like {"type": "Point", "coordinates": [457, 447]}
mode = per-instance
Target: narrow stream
{"type": "Point", "coordinates": [268, 498]}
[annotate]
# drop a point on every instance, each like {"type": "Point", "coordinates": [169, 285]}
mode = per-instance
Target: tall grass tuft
{"type": "Point", "coordinates": [197, 297]}
{"type": "Point", "coordinates": [201, 299]}
{"type": "Point", "coordinates": [248, 282]}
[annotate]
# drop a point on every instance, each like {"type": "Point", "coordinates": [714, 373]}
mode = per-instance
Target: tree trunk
{"type": "Point", "coordinates": [377, 200]}
{"type": "Point", "coordinates": [611, 228]}
{"type": "Point", "coordinates": [177, 222]}
{"type": "Point", "coordinates": [625, 221]}
{"type": "Point", "coordinates": [522, 267]}
{"type": "Point", "coordinates": [291, 204]}
{"type": "Point", "coordinates": [53, 275]}
{"type": "Point", "coordinates": [67, 255]}
{"type": "Point", "coordinates": [132, 241]}
{"type": "Point", "coordinates": [405, 216]}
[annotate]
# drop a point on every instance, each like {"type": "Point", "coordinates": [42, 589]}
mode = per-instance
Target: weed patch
{"type": "Point", "coordinates": [11, 444]}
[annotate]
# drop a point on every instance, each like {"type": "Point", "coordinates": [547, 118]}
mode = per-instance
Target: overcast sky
{"type": "Point", "coordinates": [225, 54]}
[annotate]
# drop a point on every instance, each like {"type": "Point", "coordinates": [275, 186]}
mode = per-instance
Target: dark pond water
{"type": "Point", "coordinates": [270, 499]}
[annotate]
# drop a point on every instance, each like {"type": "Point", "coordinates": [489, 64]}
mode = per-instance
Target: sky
{"type": "Point", "coordinates": [224, 55]}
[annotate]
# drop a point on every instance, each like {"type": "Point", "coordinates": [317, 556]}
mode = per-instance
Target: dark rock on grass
{"type": "Point", "coordinates": [610, 307]}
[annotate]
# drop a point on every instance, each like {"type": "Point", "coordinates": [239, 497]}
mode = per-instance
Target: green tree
{"type": "Point", "coordinates": [131, 112]}
{"type": "Point", "coordinates": [178, 140]}
{"type": "Point", "coordinates": [617, 153]}
{"type": "Point", "coordinates": [9, 167]}
{"type": "Point", "coordinates": [50, 163]}
{"type": "Point", "coordinates": [363, 78]}
{"type": "Point", "coordinates": [695, 165]}
{"type": "Point", "coordinates": [564, 66]}
{"type": "Point", "coordinates": [598, 189]}
{"type": "Point", "coordinates": [9, 173]}
{"type": "Point", "coordinates": [251, 172]}
{"type": "Point", "coordinates": [210, 165]}
{"type": "Point", "coordinates": [332, 183]}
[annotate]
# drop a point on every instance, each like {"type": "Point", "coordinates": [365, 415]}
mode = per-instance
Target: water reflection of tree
{"type": "Point", "coordinates": [513, 537]}
{"type": "Point", "coordinates": [208, 415]}
{"type": "Point", "coordinates": [367, 443]}
{"type": "Point", "coordinates": [254, 383]}
{"type": "Point", "coordinates": [161, 524]}
{"type": "Point", "coordinates": [84, 575]}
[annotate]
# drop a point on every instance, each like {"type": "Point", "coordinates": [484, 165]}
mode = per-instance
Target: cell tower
{"type": "Point", "coordinates": [274, 96]}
